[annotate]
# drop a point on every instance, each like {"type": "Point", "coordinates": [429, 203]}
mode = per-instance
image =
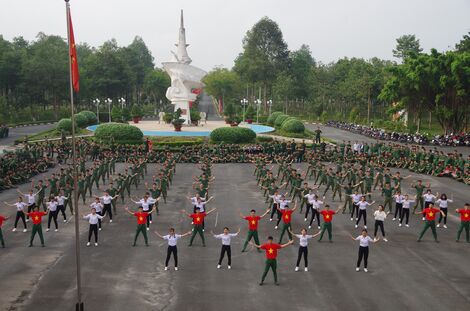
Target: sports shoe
{"type": "Point", "coordinates": [305, 219]}
{"type": "Point", "coordinates": [356, 218]}
{"type": "Point", "coordinates": [352, 219]}
{"type": "Point", "coordinates": [394, 219]}
{"type": "Point", "coordinates": [218, 266]}
{"type": "Point", "coordinates": [99, 229]}
{"type": "Point", "coordinates": [296, 269]}
{"type": "Point", "coordinates": [306, 269]}
{"type": "Point", "coordinates": [423, 218]}
{"type": "Point", "coordinates": [47, 230]}
{"type": "Point", "coordinates": [176, 268]}
{"type": "Point", "coordinates": [365, 270]}
{"type": "Point", "coordinates": [385, 239]}
{"type": "Point", "coordinates": [275, 227]}
{"type": "Point", "coordinates": [445, 226]}
{"type": "Point", "coordinates": [56, 230]}
{"type": "Point", "coordinates": [88, 244]}
{"type": "Point", "coordinates": [399, 225]}
{"type": "Point", "coordinates": [25, 230]}
{"type": "Point", "coordinates": [96, 244]}
{"type": "Point", "coordinates": [357, 269]}
{"type": "Point", "coordinates": [229, 267]}
{"type": "Point", "coordinates": [319, 227]}
{"type": "Point", "coordinates": [270, 219]}
{"type": "Point", "coordinates": [365, 227]}
{"type": "Point", "coordinates": [407, 225]}
{"type": "Point", "coordinates": [148, 228]}
{"type": "Point", "coordinates": [166, 268]}
{"type": "Point", "coordinates": [14, 229]}
{"type": "Point", "coordinates": [375, 239]}
{"type": "Point", "coordinates": [355, 226]}
{"type": "Point", "coordinates": [310, 227]}
{"type": "Point", "coordinates": [438, 225]}
{"type": "Point", "coordinates": [27, 220]}
{"type": "Point", "coordinates": [112, 220]}
{"type": "Point", "coordinates": [65, 220]}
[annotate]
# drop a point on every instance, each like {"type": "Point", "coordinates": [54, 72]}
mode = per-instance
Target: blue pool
{"type": "Point", "coordinates": [258, 129]}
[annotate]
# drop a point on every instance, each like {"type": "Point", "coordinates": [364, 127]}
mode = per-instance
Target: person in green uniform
{"type": "Point", "coordinates": [387, 192]}
{"type": "Point", "coordinates": [419, 187]}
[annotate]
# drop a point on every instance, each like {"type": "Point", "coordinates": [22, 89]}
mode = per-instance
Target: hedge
{"type": "Point", "coordinates": [233, 135]}
{"type": "Point", "coordinates": [120, 132]}
{"type": "Point", "coordinates": [81, 120]}
{"type": "Point", "coordinates": [90, 116]}
{"type": "Point", "coordinates": [64, 125]}
{"type": "Point", "coordinates": [273, 117]}
{"type": "Point", "coordinates": [293, 125]}
{"type": "Point", "coordinates": [281, 118]}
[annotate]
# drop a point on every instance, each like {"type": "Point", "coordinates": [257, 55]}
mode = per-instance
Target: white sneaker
{"type": "Point", "coordinates": [399, 225]}
{"type": "Point", "coordinates": [47, 230]}
{"type": "Point", "coordinates": [218, 266]}
{"type": "Point", "coordinates": [14, 229]}
{"type": "Point", "coordinates": [65, 220]}
{"type": "Point", "coordinates": [310, 227]}
{"type": "Point", "coordinates": [423, 218]}
{"type": "Point", "coordinates": [99, 229]}
{"type": "Point", "coordinates": [203, 230]}
{"type": "Point", "coordinates": [148, 228]}
{"type": "Point", "coordinates": [27, 220]}
{"type": "Point", "coordinates": [166, 268]}
{"type": "Point", "coordinates": [306, 269]}
{"type": "Point", "coordinates": [365, 270]}
{"type": "Point", "coordinates": [352, 219]}
{"type": "Point", "coordinates": [385, 239]}
{"type": "Point", "coordinates": [394, 219]}
{"type": "Point", "coordinates": [445, 226]}
{"type": "Point", "coordinates": [355, 226]}
{"type": "Point", "coordinates": [25, 230]}
{"type": "Point", "coordinates": [112, 220]}
{"type": "Point", "coordinates": [305, 219]}
{"type": "Point", "coordinates": [319, 227]}
{"type": "Point", "coordinates": [438, 225]}
{"type": "Point", "coordinates": [176, 268]}
{"type": "Point", "coordinates": [270, 219]}
{"type": "Point", "coordinates": [229, 267]}
{"type": "Point", "coordinates": [150, 221]}
{"type": "Point", "coordinates": [56, 230]}
{"type": "Point", "coordinates": [88, 244]}
{"type": "Point", "coordinates": [296, 269]}
{"type": "Point", "coordinates": [356, 218]}
{"type": "Point", "coordinates": [365, 227]}
{"type": "Point", "coordinates": [357, 269]}
{"type": "Point", "coordinates": [375, 239]}
{"type": "Point", "coordinates": [96, 244]}
{"type": "Point", "coordinates": [275, 227]}
{"type": "Point", "coordinates": [407, 225]}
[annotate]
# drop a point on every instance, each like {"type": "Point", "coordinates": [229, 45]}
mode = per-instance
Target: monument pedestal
{"type": "Point", "coordinates": [185, 114]}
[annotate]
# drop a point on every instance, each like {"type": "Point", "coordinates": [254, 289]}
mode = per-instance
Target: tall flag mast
{"type": "Point", "coordinates": [74, 86]}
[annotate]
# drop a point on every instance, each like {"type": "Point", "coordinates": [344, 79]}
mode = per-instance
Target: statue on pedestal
{"type": "Point", "coordinates": [184, 77]}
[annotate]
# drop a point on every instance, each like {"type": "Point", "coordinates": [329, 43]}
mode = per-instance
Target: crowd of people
{"type": "Point", "coordinates": [457, 139]}
{"type": "Point", "coordinates": [350, 172]}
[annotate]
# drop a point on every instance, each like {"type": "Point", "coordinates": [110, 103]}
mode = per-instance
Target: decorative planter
{"type": "Point", "coordinates": [234, 124]}
{"type": "Point", "coordinates": [249, 121]}
{"type": "Point", "coordinates": [136, 119]}
{"type": "Point", "coordinates": [178, 127]}
{"type": "Point", "coordinates": [195, 123]}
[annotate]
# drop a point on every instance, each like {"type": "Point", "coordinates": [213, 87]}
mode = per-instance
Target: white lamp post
{"type": "Point", "coordinates": [244, 102]}
{"type": "Point", "coordinates": [270, 104]}
{"type": "Point", "coordinates": [258, 104]}
{"type": "Point", "coordinates": [97, 103]}
{"type": "Point", "coordinates": [109, 101]}
{"type": "Point", "coordinates": [122, 101]}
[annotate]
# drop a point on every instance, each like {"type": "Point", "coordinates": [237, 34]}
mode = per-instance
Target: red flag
{"type": "Point", "coordinates": [73, 57]}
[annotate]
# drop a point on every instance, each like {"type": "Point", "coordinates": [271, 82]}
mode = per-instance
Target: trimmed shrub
{"type": "Point", "coordinates": [116, 114]}
{"type": "Point", "coordinates": [281, 118]}
{"type": "Point", "coordinates": [120, 132]}
{"type": "Point", "coordinates": [81, 120]}
{"type": "Point", "coordinates": [65, 125]}
{"type": "Point", "coordinates": [273, 117]}
{"type": "Point", "coordinates": [90, 116]}
{"type": "Point", "coordinates": [233, 135]}
{"type": "Point", "coordinates": [293, 125]}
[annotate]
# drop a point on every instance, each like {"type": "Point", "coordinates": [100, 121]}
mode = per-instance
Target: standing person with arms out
{"type": "Point", "coordinates": [271, 255]}
{"type": "Point", "coordinates": [253, 221]}
{"type": "Point", "coordinates": [286, 221]}
{"type": "Point", "coordinates": [398, 205]}
{"type": "Point", "coordinates": [107, 205]}
{"type": "Point", "coordinates": [327, 218]}
{"type": "Point", "coordinates": [20, 206]}
{"type": "Point", "coordinates": [363, 204]}
{"type": "Point", "coordinates": [356, 198]}
{"type": "Point", "coordinates": [226, 238]}
{"type": "Point", "coordinates": [98, 208]}
{"type": "Point", "coordinates": [172, 239]}
{"type": "Point", "coordinates": [147, 205]}
{"type": "Point", "coordinates": [419, 194]}
{"type": "Point", "coordinates": [93, 219]}
{"type": "Point", "coordinates": [198, 220]}
{"type": "Point", "coordinates": [31, 200]}
{"type": "Point", "coordinates": [464, 222]}
{"type": "Point", "coordinates": [36, 216]}
{"type": "Point", "coordinates": [316, 205]}
{"type": "Point", "coordinates": [443, 203]}
{"type": "Point", "coordinates": [3, 218]}
{"type": "Point", "coordinates": [380, 215]}
{"type": "Point", "coordinates": [52, 206]}
{"type": "Point", "coordinates": [141, 221]}
{"type": "Point", "coordinates": [429, 198]}
{"type": "Point", "coordinates": [405, 210]}
{"type": "Point", "coordinates": [364, 240]}
{"type": "Point", "coordinates": [61, 199]}
{"type": "Point", "coordinates": [303, 247]}
{"type": "Point", "coordinates": [430, 215]}
{"type": "Point", "coordinates": [283, 203]}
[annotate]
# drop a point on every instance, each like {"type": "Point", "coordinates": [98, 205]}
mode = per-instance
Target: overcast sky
{"type": "Point", "coordinates": [215, 28]}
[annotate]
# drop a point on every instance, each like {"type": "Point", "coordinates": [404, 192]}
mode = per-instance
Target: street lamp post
{"type": "Point", "coordinates": [109, 101]}
{"type": "Point", "coordinates": [258, 104]}
{"type": "Point", "coordinates": [97, 103]}
{"type": "Point", "coordinates": [270, 104]}
{"type": "Point", "coordinates": [122, 101]}
{"type": "Point", "coordinates": [244, 102]}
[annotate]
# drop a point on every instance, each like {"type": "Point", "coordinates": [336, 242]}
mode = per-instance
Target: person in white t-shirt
{"type": "Point", "coordinates": [362, 205]}
{"type": "Point", "coordinates": [405, 209]}
{"type": "Point", "coordinates": [107, 203]}
{"type": "Point", "coordinates": [93, 219]}
{"type": "Point", "coordinates": [364, 241]}
{"type": "Point", "coordinates": [172, 239]}
{"type": "Point", "coordinates": [53, 207]}
{"type": "Point", "coordinates": [380, 215]}
{"type": "Point", "coordinates": [303, 246]}
{"type": "Point", "coordinates": [226, 238]}
{"type": "Point", "coordinates": [98, 208]}
{"type": "Point", "coordinates": [20, 214]}
{"type": "Point", "coordinates": [30, 199]}
{"type": "Point", "coordinates": [443, 203]}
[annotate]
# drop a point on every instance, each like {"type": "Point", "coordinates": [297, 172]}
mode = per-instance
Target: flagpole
{"type": "Point", "coordinates": [79, 305]}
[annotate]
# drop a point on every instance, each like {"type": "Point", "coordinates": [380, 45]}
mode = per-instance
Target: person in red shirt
{"type": "Point", "coordinates": [286, 220]}
{"type": "Point", "coordinates": [2, 219]}
{"type": "Point", "coordinates": [141, 223]}
{"type": "Point", "coordinates": [430, 213]}
{"type": "Point", "coordinates": [464, 222]}
{"type": "Point", "coordinates": [327, 218]}
{"type": "Point", "coordinates": [36, 216]}
{"type": "Point", "coordinates": [198, 221]}
{"type": "Point", "coordinates": [253, 220]}
{"type": "Point", "coordinates": [271, 255]}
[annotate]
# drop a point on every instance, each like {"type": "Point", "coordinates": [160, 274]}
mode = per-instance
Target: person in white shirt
{"type": "Point", "coordinates": [429, 199]}
{"type": "Point", "coordinates": [405, 210]}
{"type": "Point", "coordinates": [303, 247]}
{"type": "Point", "coordinates": [107, 204]}
{"type": "Point", "coordinates": [172, 239]}
{"type": "Point", "coordinates": [52, 206]}
{"type": "Point", "coordinates": [98, 208]}
{"type": "Point", "coordinates": [20, 205]}
{"type": "Point", "coordinates": [283, 202]}
{"type": "Point", "coordinates": [31, 201]}
{"type": "Point", "coordinates": [398, 205]}
{"type": "Point", "coordinates": [61, 204]}
{"type": "Point", "coordinates": [226, 238]}
{"type": "Point", "coordinates": [443, 203]}
{"type": "Point", "coordinates": [316, 205]}
{"type": "Point", "coordinates": [93, 219]}
{"type": "Point", "coordinates": [356, 197]}
{"type": "Point", "coordinates": [380, 216]}
{"type": "Point", "coordinates": [363, 211]}
{"type": "Point", "coordinates": [276, 197]}
{"type": "Point", "coordinates": [364, 241]}
{"type": "Point", "coordinates": [147, 204]}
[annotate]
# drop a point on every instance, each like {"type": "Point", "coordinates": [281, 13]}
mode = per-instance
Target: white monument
{"type": "Point", "coordinates": [184, 77]}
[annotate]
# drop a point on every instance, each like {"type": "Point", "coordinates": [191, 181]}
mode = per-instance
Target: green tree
{"type": "Point", "coordinates": [156, 83]}
{"type": "Point", "coordinates": [407, 45]}
{"type": "Point", "coordinates": [464, 44]}
{"type": "Point", "coordinates": [223, 84]}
